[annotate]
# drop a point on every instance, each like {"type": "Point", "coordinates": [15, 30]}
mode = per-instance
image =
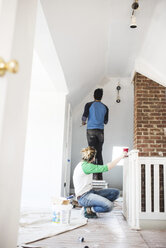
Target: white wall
{"type": "Point", "coordinates": [151, 59]}
{"type": "Point", "coordinates": [47, 52]}
{"type": "Point", "coordinates": [118, 131]}
{"type": "Point", "coordinates": [44, 144]}
{"type": "Point", "coordinates": [17, 28]}
{"type": "Point", "coordinates": [80, 31]}
{"type": "Point", "coordinates": [67, 141]}
{"type": "Point", "coordinates": [45, 155]}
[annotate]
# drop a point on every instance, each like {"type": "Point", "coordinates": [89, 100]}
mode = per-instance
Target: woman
{"type": "Point", "coordinates": [93, 201]}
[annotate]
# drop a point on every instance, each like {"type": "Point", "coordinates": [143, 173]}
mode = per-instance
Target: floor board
{"type": "Point", "coordinates": [110, 230]}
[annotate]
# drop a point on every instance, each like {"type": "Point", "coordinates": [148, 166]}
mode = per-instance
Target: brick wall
{"type": "Point", "coordinates": [149, 117]}
{"type": "Point", "coordinates": [149, 124]}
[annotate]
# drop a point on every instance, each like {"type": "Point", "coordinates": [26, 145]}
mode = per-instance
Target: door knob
{"type": "Point", "coordinates": [11, 66]}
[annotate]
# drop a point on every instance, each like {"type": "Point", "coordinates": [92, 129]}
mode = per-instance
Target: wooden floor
{"type": "Point", "coordinates": [110, 230]}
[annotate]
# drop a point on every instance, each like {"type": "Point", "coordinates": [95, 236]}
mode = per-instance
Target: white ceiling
{"type": "Point", "coordinates": [93, 39]}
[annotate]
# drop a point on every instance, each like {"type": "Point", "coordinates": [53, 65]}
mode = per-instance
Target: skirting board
{"type": "Point", "coordinates": [153, 224]}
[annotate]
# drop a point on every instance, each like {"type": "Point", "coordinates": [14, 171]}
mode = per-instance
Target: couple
{"type": "Point", "coordinates": [94, 201]}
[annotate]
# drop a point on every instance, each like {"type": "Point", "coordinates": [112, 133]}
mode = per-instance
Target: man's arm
{"type": "Point", "coordinates": [86, 113]}
{"type": "Point", "coordinates": [106, 115]}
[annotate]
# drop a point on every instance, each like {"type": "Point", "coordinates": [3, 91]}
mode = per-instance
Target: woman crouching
{"type": "Point", "coordinates": [93, 201]}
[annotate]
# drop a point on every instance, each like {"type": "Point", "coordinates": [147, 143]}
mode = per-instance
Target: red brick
{"type": "Point", "coordinates": [150, 116]}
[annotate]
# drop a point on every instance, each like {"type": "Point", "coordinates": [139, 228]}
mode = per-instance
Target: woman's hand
{"type": "Point", "coordinates": [125, 154]}
{"type": "Point", "coordinates": [114, 162]}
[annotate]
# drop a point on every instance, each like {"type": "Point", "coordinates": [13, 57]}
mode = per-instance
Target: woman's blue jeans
{"type": "Point", "coordinates": [100, 200]}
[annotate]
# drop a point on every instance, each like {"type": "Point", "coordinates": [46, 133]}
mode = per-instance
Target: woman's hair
{"type": "Point", "coordinates": [88, 153]}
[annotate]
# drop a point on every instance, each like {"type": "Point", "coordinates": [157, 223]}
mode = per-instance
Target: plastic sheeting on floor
{"type": "Point", "coordinates": [37, 225]}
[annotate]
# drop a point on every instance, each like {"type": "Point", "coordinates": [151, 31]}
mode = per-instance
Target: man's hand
{"type": "Point", "coordinates": [83, 123]}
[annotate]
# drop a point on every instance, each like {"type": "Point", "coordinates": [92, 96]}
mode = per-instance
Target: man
{"type": "Point", "coordinates": [97, 114]}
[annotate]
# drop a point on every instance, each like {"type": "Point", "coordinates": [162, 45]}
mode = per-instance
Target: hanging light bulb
{"type": "Point", "coordinates": [133, 21]}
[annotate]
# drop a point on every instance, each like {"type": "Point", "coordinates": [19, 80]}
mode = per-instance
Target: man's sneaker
{"type": "Point", "coordinates": [89, 214]}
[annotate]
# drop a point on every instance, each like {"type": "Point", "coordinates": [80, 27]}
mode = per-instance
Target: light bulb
{"type": "Point", "coordinates": [133, 22]}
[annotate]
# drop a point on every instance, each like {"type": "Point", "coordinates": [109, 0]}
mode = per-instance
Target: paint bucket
{"type": "Point", "coordinates": [61, 214]}
{"type": "Point", "coordinates": [125, 149]}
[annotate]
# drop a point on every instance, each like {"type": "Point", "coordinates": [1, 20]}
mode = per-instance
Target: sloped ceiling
{"type": "Point", "coordinates": [93, 39]}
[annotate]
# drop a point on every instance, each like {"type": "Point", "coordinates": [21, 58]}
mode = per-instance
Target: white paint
{"type": "Point", "coordinates": [165, 131]}
{"type": "Point", "coordinates": [44, 144]}
{"type": "Point", "coordinates": [160, 154]}
{"type": "Point", "coordinates": [7, 26]}
{"type": "Point", "coordinates": [46, 154]}
{"type": "Point", "coordinates": [43, 156]}
{"type": "Point", "coordinates": [148, 188]}
{"type": "Point", "coordinates": [164, 172]}
{"type": "Point", "coordinates": [17, 23]}
{"type": "Point", "coordinates": [124, 42]}
{"type": "Point", "coordinates": [67, 151]}
{"type": "Point", "coordinates": [45, 48]}
{"type": "Point", "coordinates": [132, 191]}
{"type": "Point", "coordinates": [156, 188]}
{"type": "Point", "coordinates": [153, 216]}
{"type": "Point", "coordinates": [40, 80]}
{"type": "Point", "coordinates": [125, 188]}
{"type": "Point", "coordinates": [115, 153]}
{"type": "Point", "coordinates": [118, 131]}
{"type": "Point", "coordinates": [156, 215]}
{"type": "Point", "coordinates": [7, 31]}
{"type": "Point", "coordinates": [79, 29]}
{"type": "Point", "coordinates": [93, 40]}
{"type": "Point", "coordinates": [151, 60]}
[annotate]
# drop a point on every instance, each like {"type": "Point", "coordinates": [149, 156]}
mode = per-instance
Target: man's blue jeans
{"type": "Point", "coordinates": [100, 200]}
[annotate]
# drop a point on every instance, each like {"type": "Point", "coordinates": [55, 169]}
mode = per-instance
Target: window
{"type": "Point", "coordinates": [116, 151]}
